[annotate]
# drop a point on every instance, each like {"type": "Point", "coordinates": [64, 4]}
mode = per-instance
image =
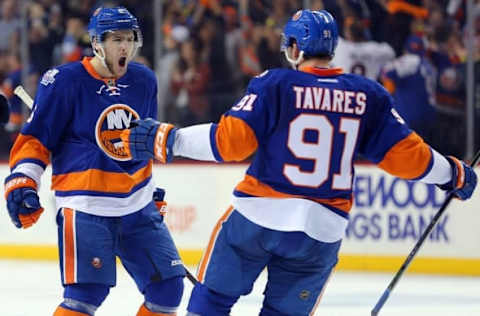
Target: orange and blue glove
{"type": "Point", "coordinates": [463, 182]}
{"type": "Point", "coordinates": [23, 203]}
{"type": "Point", "coordinates": [148, 139]}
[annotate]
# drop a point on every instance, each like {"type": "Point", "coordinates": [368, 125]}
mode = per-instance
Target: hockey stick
{"type": "Point", "coordinates": [415, 249]}
{"type": "Point", "coordinates": [27, 99]}
{"type": "Point", "coordinates": [24, 96]}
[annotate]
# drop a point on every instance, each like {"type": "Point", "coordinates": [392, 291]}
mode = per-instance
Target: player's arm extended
{"type": "Point", "coordinates": [411, 158]}
{"type": "Point", "coordinates": [230, 140]}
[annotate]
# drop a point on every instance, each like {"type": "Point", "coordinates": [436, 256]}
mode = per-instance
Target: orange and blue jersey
{"type": "Point", "coordinates": [75, 124]}
{"type": "Point", "coordinates": [307, 127]}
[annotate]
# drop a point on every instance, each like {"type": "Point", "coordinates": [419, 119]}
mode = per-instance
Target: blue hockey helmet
{"type": "Point", "coordinates": [106, 20]}
{"type": "Point", "coordinates": [315, 33]}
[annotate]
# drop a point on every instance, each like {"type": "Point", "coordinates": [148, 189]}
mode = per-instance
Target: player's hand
{"type": "Point", "coordinates": [158, 197]}
{"type": "Point", "coordinates": [149, 139]}
{"type": "Point", "coordinates": [23, 203]}
{"type": "Point", "coordinates": [464, 179]}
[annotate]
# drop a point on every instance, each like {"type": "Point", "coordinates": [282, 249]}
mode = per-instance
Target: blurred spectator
{"type": "Point", "coordinates": [13, 79]}
{"type": "Point", "coordinates": [76, 42]}
{"type": "Point", "coordinates": [411, 80]}
{"type": "Point", "coordinates": [169, 60]}
{"type": "Point", "coordinates": [10, 25]}
{"type": "Point", "coordinates": [401, 15]}
{"type": "Point", "coordinates": [267, 50]}
{"type": "Point", "coordinates": [448, 55]}
{"type": "Point", "coordinates": [189, 82]}
{"type": "Point", "coordinates": [249, 61]}
{"type": "Point", "coordinates": [213, 43]}
{"type": "Point", "coordinates": [355, 54]}
{"type": "Point", "coordinates": [234, 41]}
{"type": "Point", "coordinates": [42, 39]}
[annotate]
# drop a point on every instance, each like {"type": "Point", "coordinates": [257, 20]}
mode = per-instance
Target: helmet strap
{"type": "Point", "coordinates": [294, 62]}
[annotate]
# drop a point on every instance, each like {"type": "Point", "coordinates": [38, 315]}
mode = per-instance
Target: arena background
{"type": "Point", "coordinates": [232, 41]}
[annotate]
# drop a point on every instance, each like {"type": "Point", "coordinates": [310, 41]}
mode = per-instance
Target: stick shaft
{"type": "Point", "coordinates": [24, 96]}
{"type": "Point", "coordinates": [417, 246]}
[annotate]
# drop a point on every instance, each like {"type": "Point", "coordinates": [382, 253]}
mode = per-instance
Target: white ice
{"type": "Point", "coordinates": [33, 289]}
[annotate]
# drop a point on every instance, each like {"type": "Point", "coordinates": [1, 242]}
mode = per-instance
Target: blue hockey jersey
{"type": "Point", "coordinates": [75, 123]}
{"type": "Point", "coordinates": [306, 128]}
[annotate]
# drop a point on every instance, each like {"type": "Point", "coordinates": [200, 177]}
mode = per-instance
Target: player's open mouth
{"type": "Point", "coordinates": [122, 61]}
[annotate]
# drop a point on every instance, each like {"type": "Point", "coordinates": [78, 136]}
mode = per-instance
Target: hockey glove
{"type": "Point", "coordinates": [22, 200]}
{"type": "Point", "coordinates": [158, 197]}
{"type": "Point", "coordinates": [464, 179]}
{"type": "Point", "coordinates": [149, 139]}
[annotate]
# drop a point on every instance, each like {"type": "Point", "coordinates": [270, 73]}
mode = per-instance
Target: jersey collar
{"type": "Point", "coordinates": [92, 72]}
{"type": "Point", "coordinates": [324, 72]}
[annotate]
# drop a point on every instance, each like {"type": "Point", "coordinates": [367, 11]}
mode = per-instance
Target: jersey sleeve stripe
{"type": "Point", "coordinates": [101, 181]}
{"type": "Point", "coordinates": [235, 140]}
{"type": "Point", "coordinates": [213, 143]}
{"type": "Point", "coordinates": [253, 187]}
{"type": "Point", "coordinates": [410, 158]}
{"type": "Point", "coordinates": [29, 160]}
{"type": "Point", "coordinates": [27, 147]}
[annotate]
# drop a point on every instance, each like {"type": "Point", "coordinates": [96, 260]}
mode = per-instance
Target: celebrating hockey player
{"type": "Point", "coordinates": [290, 212]}
{"type": "Point", "coordinates": [104, 199]}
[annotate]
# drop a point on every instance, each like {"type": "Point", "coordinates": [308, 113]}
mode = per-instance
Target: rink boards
{"type": "Point", "coordinates": [388, 216]}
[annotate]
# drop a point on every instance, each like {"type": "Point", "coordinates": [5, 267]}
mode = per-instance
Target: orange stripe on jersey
{"type": "Point", "coordinates": [211, 244]}
{"type": "Point", "coordinates": [28, 147]}
{"type": "Point", "coordinates": [101, 181]}
{"type": "Point", "coordinates": [407, 159]}
{"type": "Point", "coordinates": [61, 311]}
{"type": "Point", "coordinates": [143, 311]}
{"type": "Point", "coordinates": [235, 139]}
{"type": "Point", "coordinates": [252, 186]}
{"type": "Point", "coordinates": [325, 72]}
{"type": "Point", "coordinates": [69, 251]}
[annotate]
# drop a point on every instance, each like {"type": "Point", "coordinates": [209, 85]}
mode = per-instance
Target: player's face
{"type": "Point", "coordinates": [119, 46]}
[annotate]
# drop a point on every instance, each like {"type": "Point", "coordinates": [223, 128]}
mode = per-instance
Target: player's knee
{"type": "Point", "coordinates": [82, 299]}
{"type": "Point", "coordinates": [162, 298]}
{"type": "Point", "coordinates": [205, 302]}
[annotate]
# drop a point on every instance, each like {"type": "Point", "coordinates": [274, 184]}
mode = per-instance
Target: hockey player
{"type": "Point", "coordinates": [357, 55]}
{"type": "Point", "coordinates": [290, 212]}
{"type": "Point", "coordinates": [411, 81]}
{"type": "Point", "coordinates": [104, 199]}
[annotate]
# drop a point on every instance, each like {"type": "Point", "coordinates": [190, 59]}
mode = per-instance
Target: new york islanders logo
{"type": "Point", "coordinates": [110, 124]}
